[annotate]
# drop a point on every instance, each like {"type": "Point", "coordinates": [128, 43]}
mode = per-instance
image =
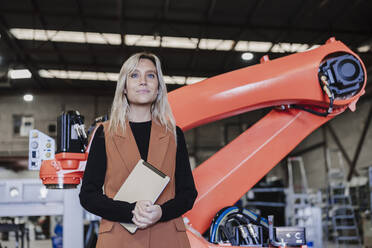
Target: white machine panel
{"type": "Point", "coordinates": [41, 147]}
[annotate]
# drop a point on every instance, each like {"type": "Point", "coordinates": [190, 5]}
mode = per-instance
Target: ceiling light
{"type": "Point", "coordinates": [142, 40]}
{"type": "Point", "coordinates": [179, 42]}
{"type": "Point", "coordinates": [81, 75]}
{"type": "Point", "coordinates": [13, 192]}
{"type": "Point", "coordinates": [174, 79]}
{"type": "Point", "coordinates": [45, 74]}
{"type": "Point", "coordinates": [313, 47]}
{"type": "Point", "coordinates": [253, 46]}
{"type": "Point", "coordinates": [28, 97]}
{"type": "Point", "coordinates": [193, 80]}
{"type": "Point", "coordinates": [19, 74]}
{"type": "Point", "coordinates": [214, 44]}
{"type": "Point", "coordinates": [156, 41]}
{"type": "Point", "coordinates": [247, 56]}
{"type": "Point", "coordinates": [109, 76]}
{"type": "Point", "coordinates": [364, 49]}
{"type": "Point", "coordinates": [296, 47]}
{"type": "Point", "coordinates": [66, 36]}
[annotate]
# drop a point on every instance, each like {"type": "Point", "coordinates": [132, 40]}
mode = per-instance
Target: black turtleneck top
{"type": "Point", "coordinates": [95, 201]}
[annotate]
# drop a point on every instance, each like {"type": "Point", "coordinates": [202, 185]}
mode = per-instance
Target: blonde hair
{"type": "Point", "coordinates": [160, 108]}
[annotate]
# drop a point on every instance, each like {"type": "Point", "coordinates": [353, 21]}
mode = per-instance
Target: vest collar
{"type": "Point", "coordinates": [126, 146]}
{"type": "Point", "coordinates": [154, 124]}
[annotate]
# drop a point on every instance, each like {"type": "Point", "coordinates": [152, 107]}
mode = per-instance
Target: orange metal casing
{"type": "Point", "coordinates": [65, 169]}
{"type": "Point", "coordinates": [232, 171]}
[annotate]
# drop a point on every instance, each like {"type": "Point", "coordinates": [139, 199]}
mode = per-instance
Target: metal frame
{"type": "Point", "coordinates": [352, 163]}
{"type": "Point", "coordinates": [33, 199]}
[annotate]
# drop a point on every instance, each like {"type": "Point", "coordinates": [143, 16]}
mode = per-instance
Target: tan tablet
{"type": "Point", "coordinates": [145, 182]}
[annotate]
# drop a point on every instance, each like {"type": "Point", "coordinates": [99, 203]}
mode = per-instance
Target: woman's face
{"type": "Point", "coordinates": [142, 84]}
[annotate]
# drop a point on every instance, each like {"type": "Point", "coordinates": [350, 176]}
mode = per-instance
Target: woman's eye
{"type": "Point", "coordinates": [134, 75]}
{"type": "Point", "coordinates": [151, 75]}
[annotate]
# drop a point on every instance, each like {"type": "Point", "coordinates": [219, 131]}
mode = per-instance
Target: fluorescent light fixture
{"type": "Point", "coordinates": [253, 46]}
{"type": "Point", "coordinates": [19, 74]}
{"type": "Point", "coordinates": [108, 76]}
{"type": "Point", "coordinates": [193, 80]}
{"type": "Point", "coordinates": [214, 44]}
{"type": "Point", "coordinates": [313, 47]}
{"type": "Point", "coordinates": [81, 75]}
{"type": "Point", "coordinates": [290, 47]}
{"type": "Point", "coordinates": [66, 36]}
{"type": "Point", "coordinates": [28, 97]}
{"type": "Point", "coordinates": [247, 56]}
{"type": "Point", "coordinates": [179, 42]}
{"type": "Point", "coordinates": [142, 40]}
{"type": "Point", "coordinates": [364, 49]}
{"type": "Point", "coordinates": [296, 47]}
{"type": "Point", "coordinates": [155, 41]}
{"type": "Point", "coordinates": [174, 80]}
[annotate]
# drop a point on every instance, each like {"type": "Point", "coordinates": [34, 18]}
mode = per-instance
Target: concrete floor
{"type": "Point", "coordinates": [33, 244]}
{"type": "Point", "coordinates": [48, 244]}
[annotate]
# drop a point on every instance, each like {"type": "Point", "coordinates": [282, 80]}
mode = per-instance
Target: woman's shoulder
{"type": "Point", "coordinates": [179, 130]}
{"type": "Point", "coordinates": [99, 131]}
{"type": "Point", "coordinates": [105, 124]}
{"type": "Point", "coordinates": [180, 134]}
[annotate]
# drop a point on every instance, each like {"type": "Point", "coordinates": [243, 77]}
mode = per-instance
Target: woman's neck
{"type": "Point", "coordinates": [139, 113]}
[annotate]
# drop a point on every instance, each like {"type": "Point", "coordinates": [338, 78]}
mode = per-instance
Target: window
{"type": "Point", "coordinates": [22, 124]}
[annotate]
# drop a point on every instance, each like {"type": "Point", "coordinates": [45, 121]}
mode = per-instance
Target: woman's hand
{"type": "Point", "coordinates": [155, 213]}
{"type": "Point", "coordinates": [146, 214]}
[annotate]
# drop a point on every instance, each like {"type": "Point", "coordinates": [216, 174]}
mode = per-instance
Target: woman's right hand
{"type": "Point", "coordinates": [141, 214]}
{"type": "Point", "coordinates": [146, 214]}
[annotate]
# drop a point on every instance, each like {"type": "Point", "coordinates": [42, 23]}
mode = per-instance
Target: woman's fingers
{"type": "Point", "coordinates": [141, 218]}
{"type": "Point", "coordinates": [145, 213]}
{"type": "Point", "coordinates": [137, 223]}
{"type": "Point", "coordinates": [142, 213]}
{"type": "Point", "coordinates": [155, 213]}
{"type": "Point", "coordinates": [143, 205]}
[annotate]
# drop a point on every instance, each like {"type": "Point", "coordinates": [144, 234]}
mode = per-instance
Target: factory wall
{"type": "Point", "coordinates": [348, 128]}
{"type": "Point", "coordinates": [202, 142]}
{"type": "Point", "coordinates": [45, 109]}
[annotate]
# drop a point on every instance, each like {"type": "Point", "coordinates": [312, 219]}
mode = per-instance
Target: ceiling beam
{"type": "Point", "coordinates": [22, 57]}
{"type": "Point", "coordinates": [44, 25]}
{"type": "Point", "coordinates": [241, 31]}
{"type": "Point", "coordinates": [84, 24]}
{"type": "Point", "coordinates": [202, 32]}
{"type": "Point", "coordinates": [174, 21]}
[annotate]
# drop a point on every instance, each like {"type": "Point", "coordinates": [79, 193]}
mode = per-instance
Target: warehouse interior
{"type": "Point", "coordinates": [57, 56]}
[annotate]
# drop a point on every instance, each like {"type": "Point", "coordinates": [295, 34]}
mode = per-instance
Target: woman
{"type": "Point", "coordinates": [141, 125]}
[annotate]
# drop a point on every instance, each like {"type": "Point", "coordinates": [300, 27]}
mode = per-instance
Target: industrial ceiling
{"type": "Point", "coordinates": [80, 45]}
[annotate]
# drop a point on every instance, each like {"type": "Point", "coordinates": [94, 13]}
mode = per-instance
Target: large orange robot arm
{"type": "Point", "coordinates": [289, 81]}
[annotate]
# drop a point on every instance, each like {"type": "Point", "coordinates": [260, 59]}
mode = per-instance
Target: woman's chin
{"type": "Point", "coordinates": [142, 103]}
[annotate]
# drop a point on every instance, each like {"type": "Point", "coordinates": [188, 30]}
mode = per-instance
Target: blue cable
{"type": "Point", "coordinates": [254, 217]}
{"type": "Point", "coordinates": [227, 211]}
{"type": "Point", "coordinates": [214, 229]}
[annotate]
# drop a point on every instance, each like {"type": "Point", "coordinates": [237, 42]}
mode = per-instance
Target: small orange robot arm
{"type": "Point", "coordinates": [325, 80]}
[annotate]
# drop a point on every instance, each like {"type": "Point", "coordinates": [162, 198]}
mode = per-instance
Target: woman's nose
{"type": "Point", "coordinates": [142, 80]}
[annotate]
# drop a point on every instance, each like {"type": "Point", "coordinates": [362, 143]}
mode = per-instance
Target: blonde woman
{"type": "Point", "coordinates": [141, 125]}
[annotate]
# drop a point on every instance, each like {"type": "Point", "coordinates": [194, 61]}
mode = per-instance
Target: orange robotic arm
{"type": "Point", "coordinates": [289, 81]}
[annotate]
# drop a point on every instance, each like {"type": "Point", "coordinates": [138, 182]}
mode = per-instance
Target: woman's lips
{"type": "Point", "coordinates": [143, 91]}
